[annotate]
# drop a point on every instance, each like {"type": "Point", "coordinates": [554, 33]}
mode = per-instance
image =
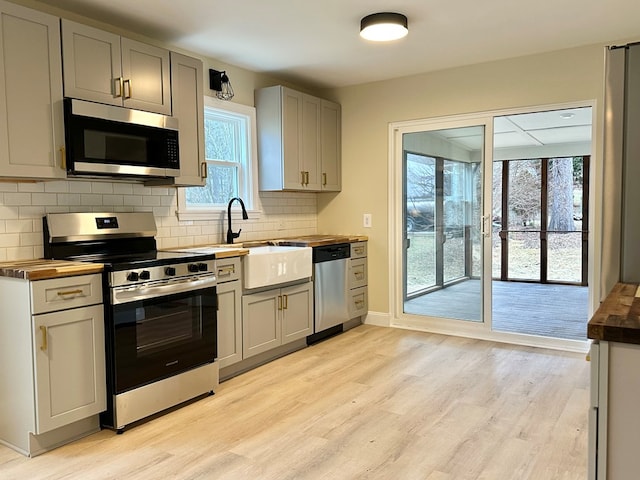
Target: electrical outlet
{"type": "Point", "coordinates": [366, 220]}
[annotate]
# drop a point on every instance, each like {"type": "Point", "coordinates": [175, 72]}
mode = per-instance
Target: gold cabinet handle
{"type": "Point", "coordinates": [226, 271]}
{"type": "Point", "coordinates": [279, 302]}
{"type": "Point", "coordinates": [43, 330]}
{"type": "Point", "coordinates": [203, 170]}
{"type": "Point", "coordinates": [285, 302]}
{"type": "Point", "coordinates": [70, 292]}
{"type": "Point", "coordinates": [358, 250]}
{"type": "Point", "coordinates": [324, 179]}
{"type": "Point", "coordinates": [306, 178]}
{"type": "Point", "coordinates": [127, 84]}
{"type": "Point", "coordinates": [301, 178]}
{"type": "Point", "coordinates": [359, 303]}
{"type": "Point", "coordinates": [359, 275]}
{"type": "Point", "coordinates": [63, 158]}
{"type": "Point", "coordinates": [117, 87]}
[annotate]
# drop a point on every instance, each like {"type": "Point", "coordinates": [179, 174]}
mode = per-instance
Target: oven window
{"type": "Point", "coordinates": [168, 324]}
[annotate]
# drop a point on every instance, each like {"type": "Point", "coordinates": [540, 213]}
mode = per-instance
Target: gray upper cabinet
{"type": "Point", "coordinates": [31, 125]}
{"type": "Point", "coordinates": [103, 67]}
{"type": "Point", "coordinates": [331, 146]}
{"type": "Point", "coordinates": [298, 141]}
{"type": "Point", "coordinates": [188, 107]}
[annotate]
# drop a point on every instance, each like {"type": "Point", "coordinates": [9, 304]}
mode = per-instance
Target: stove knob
{"type": "Point", "coordinates": [145, 275]}
{"type": "Point", "coordinates": [170, 271]}
{"type": "Point", "coordinates": [203, 267]}
{"type": "Point", "coordinates": [132, 276]}
{"type": "Point", "coordinates": [192, 267]}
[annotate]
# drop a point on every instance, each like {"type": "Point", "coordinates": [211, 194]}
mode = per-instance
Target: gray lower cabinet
{"type": "Point", "coordinates": [229, 311]}
{"type": "Point", "coordinates": [52, 384]}
{"type": "Point", "coordinates": [276, 317]}
{"type": "Point", "coordinates": [358, 279]}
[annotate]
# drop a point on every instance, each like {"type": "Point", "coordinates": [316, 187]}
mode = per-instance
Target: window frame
{"type": "Point", "coordinates": [247, 171]}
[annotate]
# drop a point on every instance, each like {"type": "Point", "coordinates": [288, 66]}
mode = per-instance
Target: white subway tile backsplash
{"type": "Point", "coordinates": [10, 240]}
{"type": "Point", "coordinates": [19, 226]}
{"type": "Point", "coordinates": [17, 199]}
{"type": "Point", "coordinates": [22, 207]}
{"type": "Point", "coordinates": [8, 213]}
{"type": "Point", "coordinates": [31, 187]}
{"type": "Point", "coordinates": [9, 187]}
{"type": "Point", "coordinates": [112, 200]}
{"type": "Point", "coordinates": [22, 253]}
{"type": "Point", "coordinates": [102, 187]}
{"type": "Point", "coordinates": [91, 199]}
{"type": "Point", "coordinates": [44, 198]}
{"type": "Point", "coordinates": [56, 187]}
{"type": "Point", "coordinates": [79, 187]}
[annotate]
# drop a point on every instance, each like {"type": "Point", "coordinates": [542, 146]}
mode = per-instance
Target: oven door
{"type": "Point", "coordinates": [162, 329]}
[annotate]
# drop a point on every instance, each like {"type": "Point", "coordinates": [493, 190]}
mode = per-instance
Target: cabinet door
{"type": "Point", "coordinates": [310, 156]}
{"type": "Point", "coordinates": [188, 108]}
{"type": "Point", "coordinates": [297, 312]}
{"type": "Point", "coordinates": [331, 146]}
{"type": "Point", "coordinates": [145, 69]}
{"type": "Point", "coordinates": [70, 366]}
{"type": "Point", "coordinates": [229, 323]}
{"type": "Point", "coordinates": [31, 123]}
{"type": "Point", "coordinates": [291, 138]}
{"type": "Point", "coordinates": [92, 64]}
{"type": "Point", "coordinates": [261, 326]}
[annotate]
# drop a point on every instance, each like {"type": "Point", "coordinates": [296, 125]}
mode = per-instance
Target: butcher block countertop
{"type": "Point", "coordinates": [317, 240]}
{"type": "Point", "coordinates": [618, 317]}
{"type": "Point", "coordinates": [242, 248]}
{"type": "Point", "coordinates": [42, 269]}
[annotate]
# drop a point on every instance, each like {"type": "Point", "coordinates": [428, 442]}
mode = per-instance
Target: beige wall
{"type": "Point", "coordinates": [558, 77]}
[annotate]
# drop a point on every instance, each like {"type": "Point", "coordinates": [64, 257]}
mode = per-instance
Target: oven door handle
{"type": "Point", "coordinates": [159, 289]}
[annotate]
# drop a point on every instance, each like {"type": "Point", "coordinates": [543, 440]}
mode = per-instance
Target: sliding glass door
{"type": "Point", "coordinates": [442, 191]}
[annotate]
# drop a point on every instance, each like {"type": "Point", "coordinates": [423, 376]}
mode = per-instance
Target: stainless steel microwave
{"type": "Point", "coordinates": [109, 141]}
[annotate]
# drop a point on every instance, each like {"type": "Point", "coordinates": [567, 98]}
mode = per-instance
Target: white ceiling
{"type": "Point", "coordinates": [554, 133]}
{"type": "Point", "coordinates": [317, 42]}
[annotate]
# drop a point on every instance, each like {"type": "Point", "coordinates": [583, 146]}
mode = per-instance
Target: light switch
{"type": "Point", "coordinates": [366, 220]}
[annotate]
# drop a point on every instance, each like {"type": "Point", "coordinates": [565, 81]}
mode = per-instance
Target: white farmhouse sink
{"type": "Point", "coordinates": [273, 264]}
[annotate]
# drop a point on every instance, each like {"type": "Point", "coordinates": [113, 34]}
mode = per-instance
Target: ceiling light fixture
{"type": "Point", "coordinates": [219, 81]}
{"type": "Point", "coordinates": [384, 26]}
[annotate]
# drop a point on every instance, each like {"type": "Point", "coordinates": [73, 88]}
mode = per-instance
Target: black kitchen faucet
{"type": "Point", "coordinates": [230, 234]}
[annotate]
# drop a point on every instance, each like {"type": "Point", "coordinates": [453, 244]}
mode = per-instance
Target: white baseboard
{"type": "Point", "coordinates": [379, 319]}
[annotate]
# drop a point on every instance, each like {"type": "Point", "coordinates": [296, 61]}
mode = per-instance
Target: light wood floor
{"type": "Point", "coordinates": [372, 403]}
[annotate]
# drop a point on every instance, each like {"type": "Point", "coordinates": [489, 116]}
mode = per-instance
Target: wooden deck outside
{"type": "Point", "coordinates": [559, 311]}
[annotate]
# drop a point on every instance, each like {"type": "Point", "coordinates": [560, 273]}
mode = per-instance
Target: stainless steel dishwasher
{"type": "Point", "coordinates": [330, 283]}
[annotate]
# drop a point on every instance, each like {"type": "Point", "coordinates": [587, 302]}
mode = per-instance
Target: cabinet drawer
{"type": "Point", "coordinates": [68, 292]}
{"type": "Point", "coordinates": [358, 249]}
{"type": "Point", "coordinates": [358, 273]}
{"type": "Point", "coordinates": [358, 302]}
{"type": "Point", "coordinates": [228, 269]}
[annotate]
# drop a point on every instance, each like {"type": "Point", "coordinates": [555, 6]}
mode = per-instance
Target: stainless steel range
{"type": "Point", "coordinates": [160, 311]}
